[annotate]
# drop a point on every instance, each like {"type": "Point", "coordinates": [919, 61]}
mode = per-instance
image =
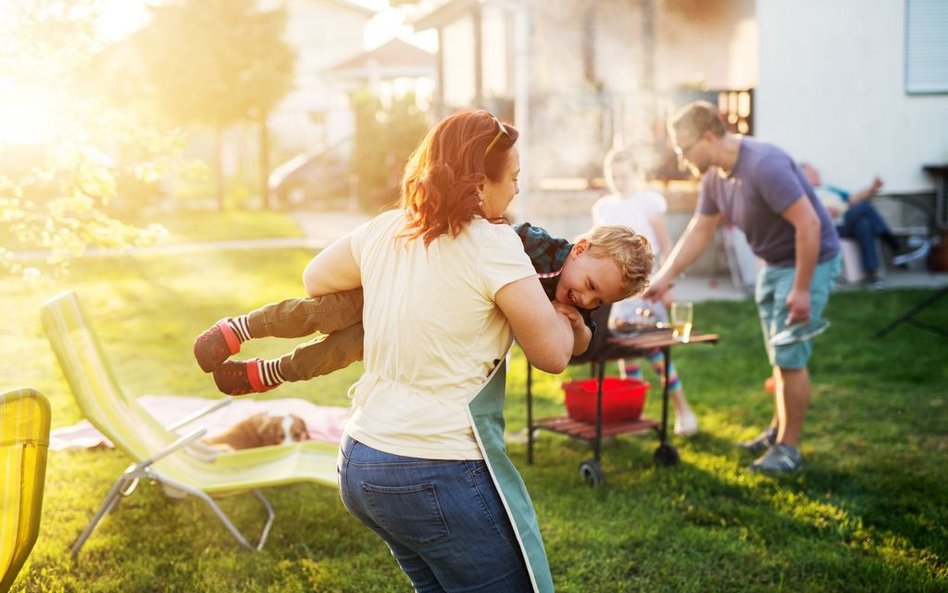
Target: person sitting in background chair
{"type": "Point", "coordinates": [856, 218]}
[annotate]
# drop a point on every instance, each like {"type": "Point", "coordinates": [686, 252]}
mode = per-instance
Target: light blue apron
{"type": "Point", "coordinates": [486, 412]}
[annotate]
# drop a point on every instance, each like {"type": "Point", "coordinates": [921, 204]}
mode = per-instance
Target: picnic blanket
{"type": "Point", "coordinates": [324, 423]}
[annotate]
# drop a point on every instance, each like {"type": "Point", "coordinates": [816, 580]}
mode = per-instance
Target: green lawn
{"type": "Point", "coordinates": [868, 514]}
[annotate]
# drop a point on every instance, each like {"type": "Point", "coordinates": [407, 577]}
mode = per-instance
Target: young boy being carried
{"type": "Point", "coordinates": [606, 265]}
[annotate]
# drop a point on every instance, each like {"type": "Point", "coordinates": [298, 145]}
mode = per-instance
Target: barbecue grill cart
{"type": "Point", "coordinates": [613, 347]}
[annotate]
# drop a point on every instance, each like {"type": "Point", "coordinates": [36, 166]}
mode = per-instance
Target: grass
{"type": "Point", "coordinates": [868, 514]}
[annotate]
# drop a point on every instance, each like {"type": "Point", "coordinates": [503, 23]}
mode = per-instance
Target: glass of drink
{"type": "Point", "coordinates": [682, 314]}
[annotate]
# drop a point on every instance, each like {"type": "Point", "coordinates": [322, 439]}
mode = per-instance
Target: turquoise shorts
{"type": "Point", "coordinates": [773, 286]}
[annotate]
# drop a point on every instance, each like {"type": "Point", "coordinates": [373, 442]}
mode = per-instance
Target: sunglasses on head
{"type": "Point", "coordinates": [502, 131]}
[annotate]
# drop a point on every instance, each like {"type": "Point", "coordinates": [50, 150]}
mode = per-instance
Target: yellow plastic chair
{"type": "Point", "coordinates": [178, 462]}
{"type": "Point", "coordinates": [24, 442]}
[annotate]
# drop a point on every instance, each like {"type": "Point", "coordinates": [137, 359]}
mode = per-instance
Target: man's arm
{"type": "Point", "coordinates": [692, 244]}
{"type": "Point", "coordinates": [807, 226]}
{"type": "Point", "coordinates": [867, 193]}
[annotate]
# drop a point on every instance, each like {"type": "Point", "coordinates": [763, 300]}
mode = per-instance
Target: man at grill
{"type": "Point", "coordinates": [759, 188]}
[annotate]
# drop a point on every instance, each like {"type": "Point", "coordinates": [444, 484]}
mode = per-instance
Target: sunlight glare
{"type": "Point", "coordinates": [27, 114]}
{"type": "Point", "coordinates": [118, 18]}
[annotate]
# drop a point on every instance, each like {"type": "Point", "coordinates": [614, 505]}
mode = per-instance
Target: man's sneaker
{"type": "Point", "coordinates": [778, 459]}
{"type": "Point", "coordinates": [873, 281]}
{"type": "Point", "coordinates": [914, 254]}
{"type": "Point", "coordinates": [240, 377]}
{"type": "Point", "coordinates": [215, 345]}
{"type": "Point", "coordinates": [761, 442]}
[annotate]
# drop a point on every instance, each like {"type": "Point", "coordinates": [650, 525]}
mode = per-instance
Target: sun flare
{"type": "Point", "coordinates": [27, 114]}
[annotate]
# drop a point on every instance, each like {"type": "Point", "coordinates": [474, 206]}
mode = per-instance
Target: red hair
{"type": "Point", "coordinates": [439, 188]}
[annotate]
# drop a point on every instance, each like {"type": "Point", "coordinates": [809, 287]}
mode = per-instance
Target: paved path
{"type": "Point", "coordinates": [320, 228]}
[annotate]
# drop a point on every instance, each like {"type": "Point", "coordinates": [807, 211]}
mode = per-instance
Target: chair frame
{"type": "Point", "coordinates": [181, 464]}
{"type": "Point", "coordinates": [129, 480]}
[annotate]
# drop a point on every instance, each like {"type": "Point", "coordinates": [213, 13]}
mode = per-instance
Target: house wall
{"type": "Point", "coordinates": [832, 92]}
{"type": "Point", "coordinates": [323, 34]}
{"type": "Point", "coordinates": [710, 43]}
{"type": "Point", "coordinates": [707, 43]}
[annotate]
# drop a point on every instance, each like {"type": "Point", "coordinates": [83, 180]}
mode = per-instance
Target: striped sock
{"type": "Point", "coordinates": [270, 373]}
{"type": "Point", "coordinates": [633, 371]}
{"type": "Point", "coordinates": [241, 327]}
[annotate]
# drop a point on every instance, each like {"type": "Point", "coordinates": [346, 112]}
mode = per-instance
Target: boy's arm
{"type": "Point", "coordinates": [582, 333]}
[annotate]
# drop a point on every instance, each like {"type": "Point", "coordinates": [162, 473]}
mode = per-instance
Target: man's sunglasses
{"type": "Point", "coordinates": [501, 131]}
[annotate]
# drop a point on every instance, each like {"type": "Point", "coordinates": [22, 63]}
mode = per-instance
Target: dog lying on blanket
{"type": "Point", "coordinates": [261, 430]}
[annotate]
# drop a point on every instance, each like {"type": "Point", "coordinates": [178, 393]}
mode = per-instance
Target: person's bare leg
{"type": "Point", "coordinates": [778, 386]}
{"type": "Point", "coordinates": [792, 400]}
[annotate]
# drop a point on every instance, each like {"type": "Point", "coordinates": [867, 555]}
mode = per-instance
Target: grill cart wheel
{"type": "Point", "coordinates": [591, 473]}
{"type": "Point", "coordinates": [666, 455]}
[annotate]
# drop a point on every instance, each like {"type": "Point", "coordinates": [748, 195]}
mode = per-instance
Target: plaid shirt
{"type": "Point", "coordinates": [548, 254]}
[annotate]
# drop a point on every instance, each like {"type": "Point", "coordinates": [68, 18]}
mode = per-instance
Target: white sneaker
{"type": "Point", "coordinates": [917, 253]}
{"type": "Point", "coordinates": [686, 424]}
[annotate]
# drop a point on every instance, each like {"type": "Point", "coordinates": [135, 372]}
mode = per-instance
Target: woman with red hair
{"type": "Point", "coordinates": [447, 287]}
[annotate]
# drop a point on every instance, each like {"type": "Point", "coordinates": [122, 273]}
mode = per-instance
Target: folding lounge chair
{"type": "Point", "coordinates": [177, 462]}
{"type": "Point", "coordinates": [24, 441]}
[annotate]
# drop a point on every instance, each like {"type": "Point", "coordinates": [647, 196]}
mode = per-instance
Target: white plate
{"type": "Point", "coordinates": [799, 332]}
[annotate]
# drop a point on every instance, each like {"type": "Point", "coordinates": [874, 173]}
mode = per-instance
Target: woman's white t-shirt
{"type": "Point", "coordinates": [634, 211]}
{"type": "Point", "coordinates": [432, 333]}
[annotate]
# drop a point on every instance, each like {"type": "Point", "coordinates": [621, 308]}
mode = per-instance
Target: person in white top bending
{"type": "Point", "coordinates": [642, 209]}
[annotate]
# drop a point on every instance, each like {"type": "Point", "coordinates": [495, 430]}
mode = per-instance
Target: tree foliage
{"type": "Point", "coordinates": [216, 62]}
{"type": "Point", "coordinates": [56, 185]}
{"type": "Point", "coordinates": [385, 136]}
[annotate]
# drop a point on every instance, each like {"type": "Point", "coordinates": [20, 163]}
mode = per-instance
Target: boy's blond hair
{"type": "Point", "coordinates": [630, 250]}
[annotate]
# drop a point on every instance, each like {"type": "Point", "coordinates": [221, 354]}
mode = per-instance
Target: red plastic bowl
{"type": "Point", "coordinates": [622, 399]}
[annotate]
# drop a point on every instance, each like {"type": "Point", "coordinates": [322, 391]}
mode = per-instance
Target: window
{"type": "Point", "coordinates": [926, 46]}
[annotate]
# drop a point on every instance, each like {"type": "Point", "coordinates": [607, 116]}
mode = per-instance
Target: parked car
{"type": "Point", "coordinates": [319, 179]}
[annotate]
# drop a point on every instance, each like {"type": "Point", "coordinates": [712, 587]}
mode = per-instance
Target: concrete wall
{"type": "Point", "coordinates": [831, 91]}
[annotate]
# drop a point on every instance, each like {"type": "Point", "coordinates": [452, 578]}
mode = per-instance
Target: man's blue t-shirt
{"type": "Point", "coordinates": [765, 181]}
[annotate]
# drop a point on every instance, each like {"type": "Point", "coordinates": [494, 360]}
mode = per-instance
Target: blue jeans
{"type": "Point", "coordinates": [443, 520]}
{"type": "Point", "coordinates": [863, 223]}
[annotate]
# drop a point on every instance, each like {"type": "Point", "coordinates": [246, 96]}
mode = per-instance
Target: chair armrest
{"type": "Point", "coordinates": [171, 448]}
{"type": "Point", "coordinates": [203, 451]}
{"type": "Point", "coordinates": [202, 412]}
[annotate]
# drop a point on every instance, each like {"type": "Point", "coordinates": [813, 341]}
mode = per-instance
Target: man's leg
{"type": "Point", "coordinates": [792, 396]}
{"type": "Point", "coordinates": [860, 224]}
{"type": "Point", "coordinates": [791, 402]}
{"type": "Point", "coordinates": [771, 318]}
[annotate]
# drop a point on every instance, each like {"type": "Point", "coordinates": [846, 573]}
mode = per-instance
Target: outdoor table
{"type": "Point", "coordinates": [619, 346]}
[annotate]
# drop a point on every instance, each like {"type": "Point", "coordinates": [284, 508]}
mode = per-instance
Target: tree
{"type": "Point", "coordinates": [384, 139]}
{"type": "Point", "coordinates": [61, 142]}
{"type": "Point", "coordinates": [216, 63]}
